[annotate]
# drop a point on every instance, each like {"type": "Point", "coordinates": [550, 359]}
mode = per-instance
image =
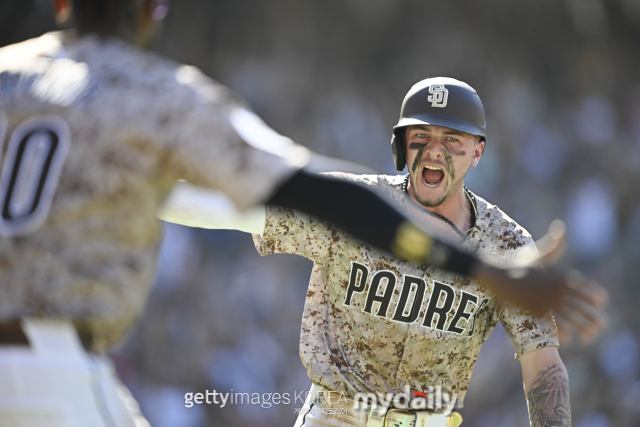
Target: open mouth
{"type": "Point", "coordinates": [432, 176]}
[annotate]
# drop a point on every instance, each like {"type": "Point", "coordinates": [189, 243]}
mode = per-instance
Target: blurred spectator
{"type": "Point", "coordinates": [596, 121]}
{"type": "Point", "coordinates": [592, 219]}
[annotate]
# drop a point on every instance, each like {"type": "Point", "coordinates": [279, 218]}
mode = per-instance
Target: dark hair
{"type": "Point", "coordinates": [105, 17]}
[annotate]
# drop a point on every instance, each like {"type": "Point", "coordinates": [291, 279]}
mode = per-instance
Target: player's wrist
{"type": "Point", "coordinates": [529, 288]}
{"type": "Point", "coordinates": [484, 272]}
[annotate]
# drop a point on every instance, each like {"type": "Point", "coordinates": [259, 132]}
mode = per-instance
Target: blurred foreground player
{"type": "Point", "coordinates": [94, 133]}
{"type": "Point", "coordinates": [376, 325]}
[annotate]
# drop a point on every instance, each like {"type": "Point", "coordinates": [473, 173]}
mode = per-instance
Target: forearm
{"type": "Point", "coordinates": [204, 208]}
{"type": "Point", "coordinates": [547, 389]}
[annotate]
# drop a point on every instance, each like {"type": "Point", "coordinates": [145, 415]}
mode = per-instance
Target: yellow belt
{"type": "Point", "coordinates": [408, 418]}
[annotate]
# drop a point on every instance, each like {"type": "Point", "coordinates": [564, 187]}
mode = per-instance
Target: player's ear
{"type": "Point", "coordinates": [477, 152]}
{"type": "Point", "coordinates": [62, 10]}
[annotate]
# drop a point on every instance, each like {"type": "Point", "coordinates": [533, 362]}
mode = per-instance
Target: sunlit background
{"type": "Point", "coordinates": [560, 82]}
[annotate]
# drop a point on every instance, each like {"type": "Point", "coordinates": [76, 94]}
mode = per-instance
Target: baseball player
{"type": "Point", "coordinates": [375, 324]}
{"type": "Point", "coordinates": [93, 134]}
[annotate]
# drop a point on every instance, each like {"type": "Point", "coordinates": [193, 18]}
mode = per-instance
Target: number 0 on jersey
{"type": "Point", "coordinates": [35, 153]}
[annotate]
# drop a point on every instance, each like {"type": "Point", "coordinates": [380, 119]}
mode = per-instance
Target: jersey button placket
{"type": "Point", "coordinates": [401, 377]}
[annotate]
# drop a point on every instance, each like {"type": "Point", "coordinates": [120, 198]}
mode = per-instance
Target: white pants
{"type": "Point", "coordinates": [55, 383]}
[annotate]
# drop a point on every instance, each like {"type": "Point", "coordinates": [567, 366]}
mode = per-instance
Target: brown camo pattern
{"type": "Point", "coordinates": [346, 349]}
{"type": "Point", "coordinates": [138, 124]}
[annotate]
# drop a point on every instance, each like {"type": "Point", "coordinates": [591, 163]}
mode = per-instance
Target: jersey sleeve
{"type": "Point", "coordinates": [216, 141]}
{"type": "Point", "coordinates": [528, 332]}
{"type": "Point", "coordinates": [291, 232]}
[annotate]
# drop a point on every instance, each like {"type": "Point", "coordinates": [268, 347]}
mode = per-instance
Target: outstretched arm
{"type": "Point", "coordinates": [546, 385]}
{"type": "Point", "coordinates": [371, 219]}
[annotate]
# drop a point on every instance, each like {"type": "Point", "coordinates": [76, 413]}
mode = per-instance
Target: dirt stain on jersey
{"type": "Point", "coordinates": [527, 325]}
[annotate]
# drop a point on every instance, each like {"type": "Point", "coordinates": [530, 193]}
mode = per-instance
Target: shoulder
{"type": "Point", "coordinates": [504, 239]}
{"type": "Point", "coordinates": [155, 95]}
{"type": "Point", "coordinates": [125, 70]}
{"type": "Point", "coordinates": [128, 69]}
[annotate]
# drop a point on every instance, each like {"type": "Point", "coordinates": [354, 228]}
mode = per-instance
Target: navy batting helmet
{"type": "Point", "coordinates": [440, 101]}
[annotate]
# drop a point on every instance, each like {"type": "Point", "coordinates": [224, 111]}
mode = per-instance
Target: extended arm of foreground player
{"type": "Point", "coordinates": [371, 219]}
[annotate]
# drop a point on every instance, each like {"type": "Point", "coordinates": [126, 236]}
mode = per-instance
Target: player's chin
{"type": "Point", "coordinates": [431, 197]}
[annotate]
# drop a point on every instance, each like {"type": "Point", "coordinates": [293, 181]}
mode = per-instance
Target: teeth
{"type": "Point", "coordinates": [430, 185]}
{"type": "Point", "coordinates": [434, 168]}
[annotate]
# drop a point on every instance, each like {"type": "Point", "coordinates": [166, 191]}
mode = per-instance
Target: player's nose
{"type": "Point", "coordinates": [434, 148]}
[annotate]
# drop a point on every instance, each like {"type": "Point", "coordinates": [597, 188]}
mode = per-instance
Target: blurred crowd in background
{"type": "Point", "coordinates": [560, 81]}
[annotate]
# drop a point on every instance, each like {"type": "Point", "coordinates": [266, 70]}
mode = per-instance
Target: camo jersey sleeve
{"type": "Point", "coordinates": [218, 142]}
{"type": "Point", "coordinates": [291, 232]}
{"type": "Point", "coordinates": [528, 332]}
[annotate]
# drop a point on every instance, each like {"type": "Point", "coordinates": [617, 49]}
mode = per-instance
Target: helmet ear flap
{"type": "Point", "coordinates": [397, 147]}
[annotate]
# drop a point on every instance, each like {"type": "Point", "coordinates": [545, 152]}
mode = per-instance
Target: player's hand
{"type": "Point", "coordinates": [583, 314]}
{"type": "Point", "coordinates": [582, 311]}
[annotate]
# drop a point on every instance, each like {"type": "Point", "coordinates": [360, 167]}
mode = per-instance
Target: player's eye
{"type": "Point", "coordinates": [421, 135]}
{"type": "Point", "coordinates": [452, 139]}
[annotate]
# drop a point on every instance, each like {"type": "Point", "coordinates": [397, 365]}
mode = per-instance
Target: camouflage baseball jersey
{"type": "Point", "coordinates": [93, 134]}
{"type": "Point", "coordinates": [373, 323]}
